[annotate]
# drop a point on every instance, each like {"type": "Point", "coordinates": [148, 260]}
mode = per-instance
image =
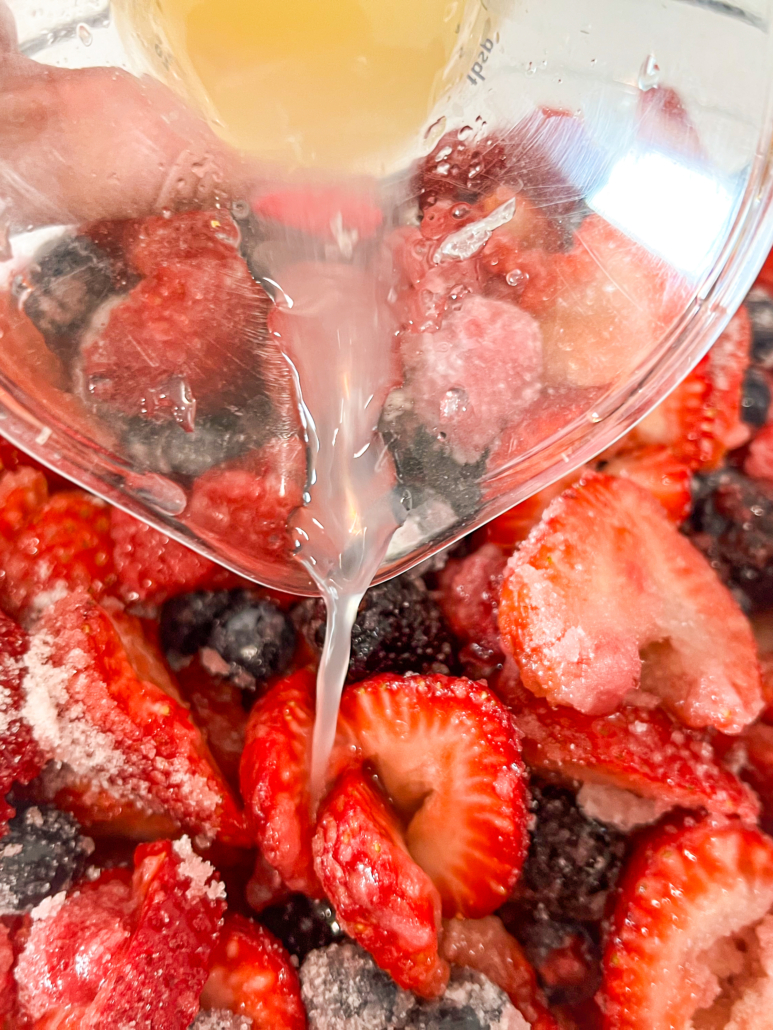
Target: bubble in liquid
{"type": "Point", "coordinates": [84, 34]}
{"type": "Point", "coordinates": [516, 277]}
{"type": "Point", "coordinates": [464, 133]}
{"type": "Point", "coordinates": [454, 402]}
{"type": "Point", "coordinates": [649, 73]}
{"type": "Point", "coordinates": [157, 492]}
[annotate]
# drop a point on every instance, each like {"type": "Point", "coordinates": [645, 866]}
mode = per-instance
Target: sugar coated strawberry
{"type": "Point", "coordinates": [485, 945]}
{"type": "Point", "coordinates": [150, 567]}
{"type": "Point", "coordinates": [382, 898]}
{"type": "Point", "coordinates": [469, 599]}
{"type": "Point", "coordinates": [251, 975]}
{"type": "Point", "coordinates": [124, 951]}
{"type": "Point", "coordinates": [89, 709]}
{"type": "Point", "coordinates": [449, 377]}
{"type": "Point", "coordinates": [453, 738]}
{"type": "Point", "coordinates": [690, 941]}
{"type": "Point", "coordinates": [66, 545]}
{"type": "Point", "coordinates": [679, 636]}
{"type": "Point", "coordinates": [660, 471]}
{"type": "Point", "coordinates": [174, 341]}
{"type": "Point", "coordinates": [23, 492]}
{"type": "Point", "coordinates": [641, 750]}
{"type": "Point", "coordinates": [701, 419]}
{"type": "Point", "coordinates": [275, 779]}
{"type": "Point", "coordinates": [7, 981]}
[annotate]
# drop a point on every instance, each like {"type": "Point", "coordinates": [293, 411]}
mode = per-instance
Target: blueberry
{"type": "Point", "coordinates": [755, 400]}
{"type": "Point", "coordinates": [41, 854]}
{"type": "Point", "coordinates": [186, 621]}
{"type": "Point", "coordinates": [168, 449]}
{"type": "Point", "coordinates": [399, 628]}
{"type": "Point", "coordinates": [302, 924]}
{"type": "Point", "coordinates": [68, 283]}
{"type": "Point", "coordinates": [471, 1002]}
{"type": "Point", "coordinates": [342, 986]}
{"type": "Point", "coordinates": [759, 304]}
{"type": "Point", "coordinates": [573, 860]}
{"type": "Point", "coordinates": [253, 636]}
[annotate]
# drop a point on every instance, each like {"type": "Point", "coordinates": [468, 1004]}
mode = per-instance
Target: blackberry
{"type": "Point", "coordinates": [565, 955]}
{"type": "Point", "coordinates": [68, 283]}
{"type": "Point", "coordinates": [732, 523]}
{"type": "Point", "coordinates": [42, 853]}
{"type": "Point", "coordinates": [399, 628]}
{"type": "Point", "coordinates": [759, 304]}
{"type": "Point", "coordinates": [470, 1002]}
{"type": "Point", "coordinates": [221, 1019]}
{"type": "Point", "coordinates": [755, 400]}
{"type": "Point", "coordinates": [302, 924]}
{"type": "Point", "coordinates": [342, 986]}
{"type": "Point", "coordinates": [425, 466]}
{"type": "Point", "coordinates": [169, 450]}
{"type": "Point", "coordinates": [572, 860]}
{"type": "Point", "coordinates": [186, 621]}
{"type": "Point", "coordinates": [253, 636]}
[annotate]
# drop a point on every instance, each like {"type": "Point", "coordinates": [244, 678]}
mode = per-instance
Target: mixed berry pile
{"type": "Point", "coordinates": [550, 794]}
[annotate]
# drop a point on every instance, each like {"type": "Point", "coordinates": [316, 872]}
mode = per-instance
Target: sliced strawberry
{"type": "Point", "coordinates": [143, 652]}
{"type": "Point", "coordinates": [246, 507]}
{"type": "Point", "coordinates": [21, 757]}
{"type": "Point", "coordinates": [658, 470]}
{"type": "Point", "coordinates": [265, 887]}
{"type": "Point", "coordinates": [613, 301]}
{"type": "Point", "coordinates": [606, 596]}
{"type": "Point", "coordinates": [485, 945]}
{"type": "Point", "coordinates": [701, 419]}
{"type": "Point", "coordinates": [448, 757]}
{"type": "Point", "coordinates": [12, 459]}
{"type": "Point", "coordinates": [23, 492]}
{"type": "Point", "coordinates": [103, 813]}
{"type": "Point", "coordinates": [125, 735]}
{"type": "Point", "coordinates": [217, 709]}
{"type": "Point", "coordinates": [178, 336]}
{"type": "Point", "coordinates": [152, 568]}
{"type": "Point", "coordinates": [381, 897]}
{"type": "Point", "coordinates": [65, 546]}
{"type": "Point", "coordinates": [691, 935]}
{"type": "Point", "coordinates": [642, 750]}
{"type": "Point", "coordinates": [511, 527]}
{"type": "Point", "coordinates": [754, 753]}
{"type": "Point", "coordinates": [125, 952]}
{"type": "Point", "coordinates": [469, 598]}
{"type": "Point", "coordinates": [325, 212]}
{"type": "Point", "coordinates": [275, 779]}
{"type": "Point", "coordinates": [251, 974]}
{"type": "Point", "coordinates": [7, 979]}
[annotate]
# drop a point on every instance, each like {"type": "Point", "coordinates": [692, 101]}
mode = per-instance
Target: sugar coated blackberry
{"type": "Point", "coordinates": [399, 628]}
{"type": "Point", "coordinates": [221, 1019]}
{"type": "Point", "coordinates": [342, 986]}
{"type": "Point", "coordinates": [186, 621]}
{"type": "Point", "coordinates": [41, 854]}
{"type": "Point", "coordinates": [732, 523]}
{"type": "Point", "coordinates": [303, 924]}
{"type": "Point", "coordinates": [253, 636]}
{"type": "Point", "coordinates": [471, 1002]}
{"type": "Point", "coordinates": [68, 283]}
{"type": "Point", "coordinates": [572, 860]}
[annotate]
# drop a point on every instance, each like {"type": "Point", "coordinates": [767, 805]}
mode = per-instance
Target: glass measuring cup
{"type": "Point", "coordinates": [498, 297]}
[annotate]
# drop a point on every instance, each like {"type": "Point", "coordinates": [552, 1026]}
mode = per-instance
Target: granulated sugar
{"type": "Point", "coordinates": [199, 872]}
{"type": "Point", "coordinates": [221, 1019]}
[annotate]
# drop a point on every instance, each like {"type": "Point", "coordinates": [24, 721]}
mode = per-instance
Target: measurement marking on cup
{"type": "Point", "coordinates": [475, 75]}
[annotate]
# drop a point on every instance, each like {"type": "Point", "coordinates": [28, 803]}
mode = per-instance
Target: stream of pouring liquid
{"type": "Point", "coordinates": [336, 333]}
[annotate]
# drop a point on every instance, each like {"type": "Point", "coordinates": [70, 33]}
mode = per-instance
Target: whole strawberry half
{"type": "Point", "coordinates": [606, 596]}
{"type": "Point", "coordinates": [691, 937]}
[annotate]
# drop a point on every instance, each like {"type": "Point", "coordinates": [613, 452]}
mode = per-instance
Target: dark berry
{"type": "Point", "coordinates": [186, 621]}
{"type": "Point", "coordinates": [68, 283]}
{"type": "Point", "coordinates": [399, 628]}
{"type": "Point", "coordinates": [425, 466]}
{"type": "Point", "coordinates": [167, 448]}
{"type": "Point", "coordinates": [755, 400]}
{"type": "Point", "coordinates": [302, 924]}
{"type": "Point", "coordinates": [342, 986]}
{"type": "Point", "coordinates": [470, 1002]}
{"type": "Point", "coordinates": [253, 636]}
{"type": "Point", "coordinates": [572, 860]}
{"type": "Point", "coordinates": [759, 304]}
{"type": "Point", "coordinates": [565, 955]}
{"type": "Point", "coordinates": [732, 523]}
{"type": "Point", "coordinates": [41, 854]}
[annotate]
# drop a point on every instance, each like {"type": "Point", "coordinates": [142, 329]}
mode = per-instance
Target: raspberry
{"type": "Point", "coordinates": [399, 628]}
{"type": "Point", "coordinates": [303, 924]}
{"type": "Point", "coordinates": [42, 853]}
{"type": "Point", "coordinates": [573, 861]}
